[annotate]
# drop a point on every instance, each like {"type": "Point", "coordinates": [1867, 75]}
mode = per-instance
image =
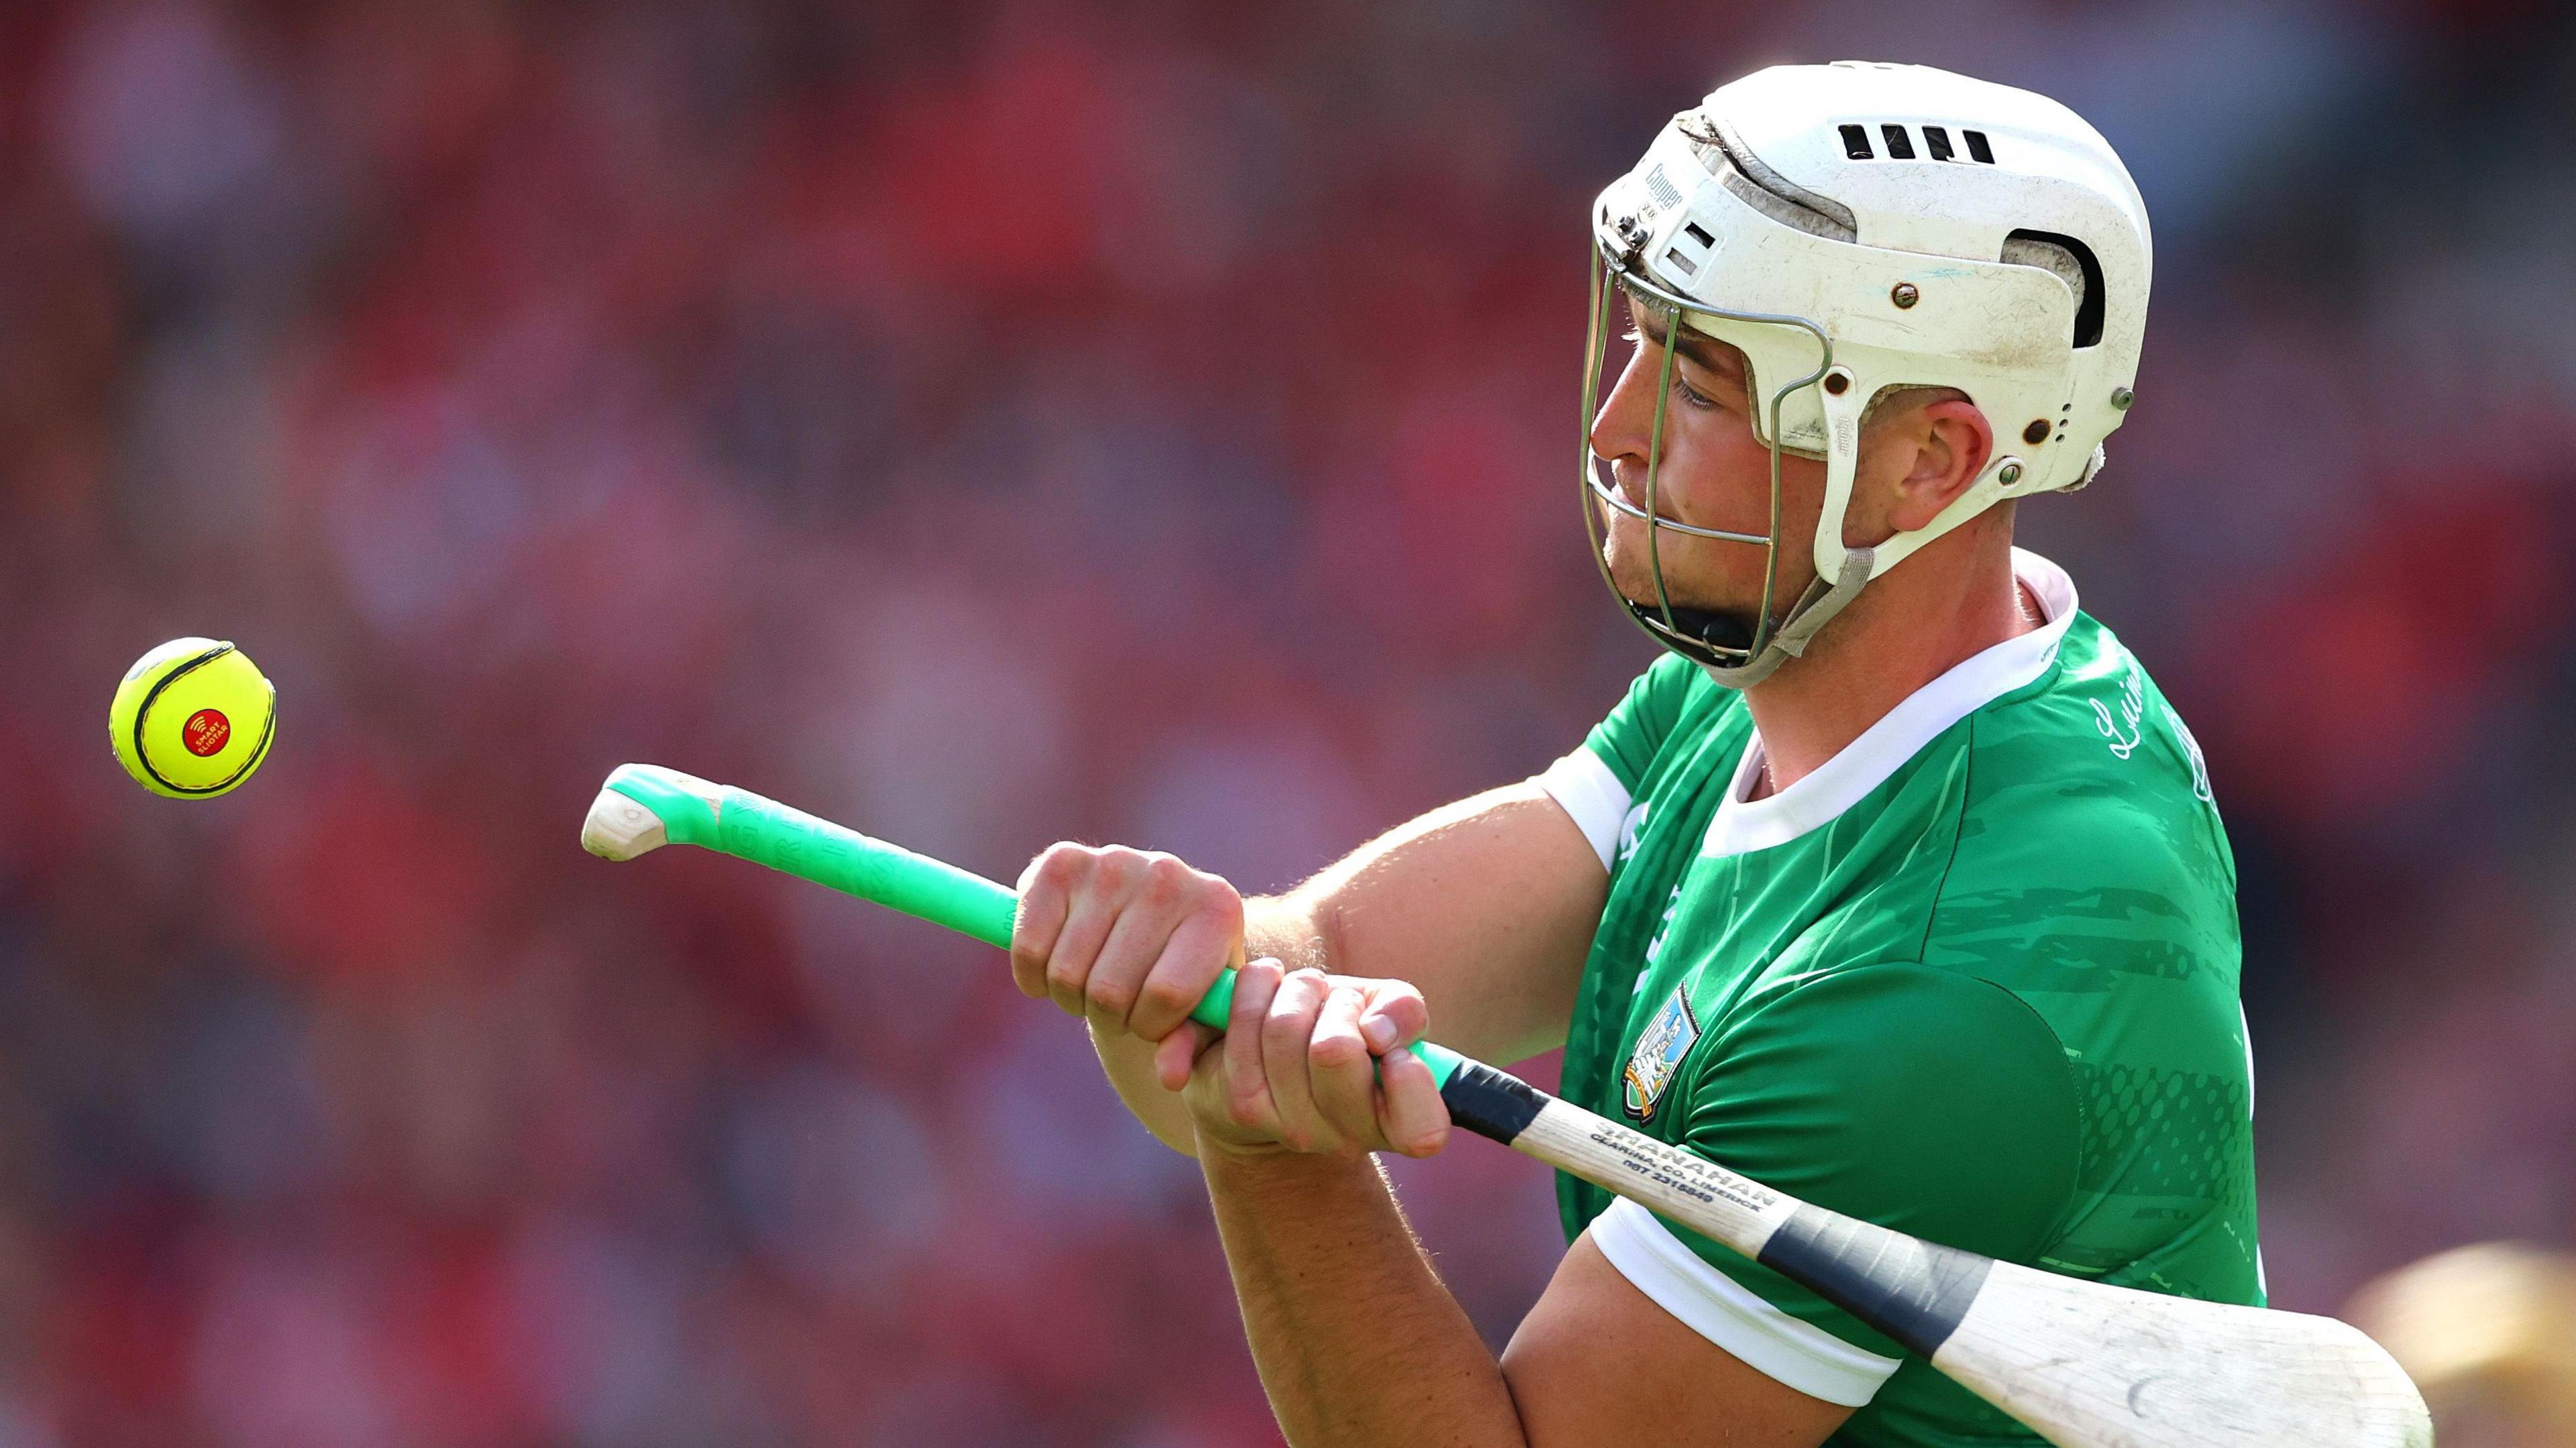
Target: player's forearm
{"type": "Point", "coordinates": [1357, 1341]}
{"type": "Point", "coordinates": [1279, 928]}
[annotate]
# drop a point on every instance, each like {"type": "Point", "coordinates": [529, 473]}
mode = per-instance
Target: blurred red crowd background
{"type": "Point", "coordinates": [990, 423]}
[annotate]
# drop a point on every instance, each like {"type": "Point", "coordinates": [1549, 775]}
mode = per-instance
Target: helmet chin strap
{"type": "Point", "coordinates": [1712, 631]}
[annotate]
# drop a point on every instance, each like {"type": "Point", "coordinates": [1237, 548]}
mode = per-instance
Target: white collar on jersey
{"type": "Point", "coordinates": [1744, 825]}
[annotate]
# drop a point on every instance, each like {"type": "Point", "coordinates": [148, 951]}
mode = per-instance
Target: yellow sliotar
{"type": "Point", "coordinates": [192, 718]}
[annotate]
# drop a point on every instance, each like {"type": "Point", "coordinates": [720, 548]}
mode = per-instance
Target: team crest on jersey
{"type": "Point", "coordinates": [1658, 1057]}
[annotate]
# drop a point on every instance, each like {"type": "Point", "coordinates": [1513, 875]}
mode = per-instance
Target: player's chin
{"type": "Point", "coordinates": [1634, 574]}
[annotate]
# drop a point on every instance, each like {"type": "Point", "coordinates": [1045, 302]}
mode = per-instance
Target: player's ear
{"type": "Point", "coordinates": [1952, 443]}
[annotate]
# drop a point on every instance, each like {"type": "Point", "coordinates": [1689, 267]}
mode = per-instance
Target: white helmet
{"type": "Point", "coordinates": [1856, 227]}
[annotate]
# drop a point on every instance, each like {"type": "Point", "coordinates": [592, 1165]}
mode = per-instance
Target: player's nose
{"type": "Point", "coordinates": [1620, 427]}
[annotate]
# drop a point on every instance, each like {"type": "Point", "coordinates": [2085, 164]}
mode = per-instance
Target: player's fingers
{"type": "Point", "coordinates": [1135, 941]}
{"type": "Point", "coordinates": [1044, 898]}
{"type": "Point", "coordinates": [1176, 1055]}
{"type": "Point", "coordinates": [1285, 1032]}
{"type": "Point", "coordinates": [1340, 1069]}
{"type": "Point", "coordinates": [1077, 945]}
{"type": "Point", "coordinates": [1395, 1015]}
{"type": "Point", "coordinates": [1208, 938]}
{"type": "Point", "coordinates": [1411, 1116]}
{"type": "Point", "coordinates": [1099, 894]}
{"type": "Point", "coordinates": [1247, 1087]}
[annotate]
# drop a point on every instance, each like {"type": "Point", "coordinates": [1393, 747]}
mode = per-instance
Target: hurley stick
{"type": "Point", "coordinates": [2085, 1364]}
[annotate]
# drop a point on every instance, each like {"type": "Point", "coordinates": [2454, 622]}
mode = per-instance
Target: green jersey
{"type": "Point", "coordinates": [1974, 979]}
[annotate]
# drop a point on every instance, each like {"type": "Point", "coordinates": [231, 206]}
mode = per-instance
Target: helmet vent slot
{"type": "Point", "coordinates": [1900, 146]}
{"type": "Point", "coordinates": [1699, 233]}
{"type": "Point", "coordinates": [1856, 144]}
{"type": "Point", "coordinates": [1978, 148]}
{"type": "Point", "coordinates": [1937, 142]}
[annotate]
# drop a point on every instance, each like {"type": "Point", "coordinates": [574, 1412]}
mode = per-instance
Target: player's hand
{"type": "Point", "coordinates": [1317, 1063]}
{"type": "Point", "coordinates": [1127, 938]}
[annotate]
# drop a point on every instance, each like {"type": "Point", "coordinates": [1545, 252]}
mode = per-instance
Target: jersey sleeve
{"type": "Point", "coordinates": [1598, 782]}
{"type": "Point", "coordinates": [1914, 1097]}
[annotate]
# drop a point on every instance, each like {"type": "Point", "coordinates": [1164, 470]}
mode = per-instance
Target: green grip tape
{"type": "Point", "coordinates": [759, 829]}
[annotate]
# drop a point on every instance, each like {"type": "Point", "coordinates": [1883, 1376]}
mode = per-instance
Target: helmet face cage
{"type": "Point", "coordinates": [1615, 275]}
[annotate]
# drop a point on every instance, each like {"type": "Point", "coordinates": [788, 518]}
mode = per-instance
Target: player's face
{"type": "Point", "coordinates": [1714, 474]}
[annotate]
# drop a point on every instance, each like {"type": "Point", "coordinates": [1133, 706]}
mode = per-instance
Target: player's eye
{"type": "Point", "coordinates": [1689, 394]}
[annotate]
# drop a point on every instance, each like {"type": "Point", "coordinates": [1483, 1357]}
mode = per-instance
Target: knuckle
{"type": "Point", "coordinates": [1109, 995]}
{"type": "Point", "coordinates": [1335, 1052]}
{"type": "Point", "coordinates": [1165, 995]}
{"type": "Point", "coordinates": [1165, 878]}
{"type": "Point", "coordinates": [1115, 868]}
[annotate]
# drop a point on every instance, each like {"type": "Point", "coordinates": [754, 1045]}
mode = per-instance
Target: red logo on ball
{"type": "Point", "coordinates": [205, 732]}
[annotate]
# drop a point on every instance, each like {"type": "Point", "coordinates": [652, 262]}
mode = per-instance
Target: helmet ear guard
{"type": "Point", "coordinates": [1839, 278]}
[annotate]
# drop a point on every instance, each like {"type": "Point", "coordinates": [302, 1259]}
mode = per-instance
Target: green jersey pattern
{"type": "Point", "coordinates": [1975, 980]}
